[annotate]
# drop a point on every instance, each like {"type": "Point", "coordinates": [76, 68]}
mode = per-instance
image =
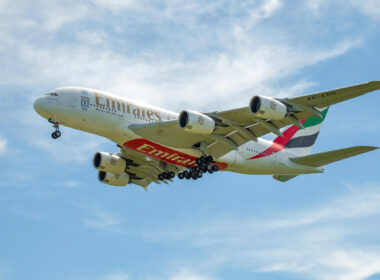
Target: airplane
{"type": "Point", "coordinates": [155, 144]}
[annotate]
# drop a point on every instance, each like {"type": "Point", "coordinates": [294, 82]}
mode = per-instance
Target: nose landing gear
{"type": "Point", "coordinates": [57, 133]}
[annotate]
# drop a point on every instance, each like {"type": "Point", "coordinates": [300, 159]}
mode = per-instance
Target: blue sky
{"type": "Point", "coordinates": [58, 222]}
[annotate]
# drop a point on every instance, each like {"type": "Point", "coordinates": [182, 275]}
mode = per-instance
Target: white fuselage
{"type": "Point", "coordinates": [109, 116]}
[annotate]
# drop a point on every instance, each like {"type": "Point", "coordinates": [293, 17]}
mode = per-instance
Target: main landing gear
{"type": "Point", "coordinates": [57, 133]}
{"type": "Point", "coordinates": [166, 175]}
{"type": "Point", "coordinates": [204, 164]}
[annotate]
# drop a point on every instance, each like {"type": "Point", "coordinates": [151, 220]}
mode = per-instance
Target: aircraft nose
{"type": "Point", "coordinates": [40, 106]}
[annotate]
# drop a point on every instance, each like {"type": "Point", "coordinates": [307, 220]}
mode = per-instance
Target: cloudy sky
{"type": "Point", "coordinates": [58, 222]}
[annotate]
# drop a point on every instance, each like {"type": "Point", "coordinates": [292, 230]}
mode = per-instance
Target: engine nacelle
{"type": "Point", "coordinates": [267, 108]}
{"type": "Point", "coordinates": [109, 162]}
{"type": "Point", "coordinates": [196, 122]}
{"type": "Point", "coordinates": [113, 179]}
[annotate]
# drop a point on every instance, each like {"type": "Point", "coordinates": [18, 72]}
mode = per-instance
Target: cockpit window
{"type": "Point", "coordinates": [52, 94]}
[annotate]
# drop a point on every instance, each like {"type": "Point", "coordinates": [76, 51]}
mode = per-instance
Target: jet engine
{"type": "Point", "coordinates": [267, 108]}
{"type": "Point", "coordinates": [113, 179]}
{"type": "Point", "coordinates": [109, 162]}
{"type": "Point", "coordinates": [196, 122]}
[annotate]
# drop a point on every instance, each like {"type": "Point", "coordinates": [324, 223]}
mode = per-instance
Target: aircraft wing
{"type": "Point", "coordinates": [144, 170]}
{"type": "Point", "coordinates": [237, 126]}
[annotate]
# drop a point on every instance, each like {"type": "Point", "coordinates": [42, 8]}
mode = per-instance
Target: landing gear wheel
{"type": "Point", "coordinates": [209, 168]}
{"type": "Point", "coordinates": [209, 159]}
{"type": "Point", "coordinates": [199, 174]}
{"type": "Point", "coordinates": [215, 168]}
{"type": "Point", "coordinates": [171, 174]}
{"type": "Point", "coordinates": [56, 133]}
{"type": "Point", "coordinates": [196, 169]}
{"type": "Point", "coordinates": [181, 175]}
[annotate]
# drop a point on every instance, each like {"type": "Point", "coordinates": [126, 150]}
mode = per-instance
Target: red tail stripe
{"type": "Point", "coordinates": [279, 142]}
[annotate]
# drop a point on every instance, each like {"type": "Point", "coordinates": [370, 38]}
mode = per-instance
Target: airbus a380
{"type": "Point", "coordinates": [156, 144]}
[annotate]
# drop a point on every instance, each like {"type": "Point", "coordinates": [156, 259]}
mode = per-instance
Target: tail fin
{"type": "Point", "coordinates": [301, 141]}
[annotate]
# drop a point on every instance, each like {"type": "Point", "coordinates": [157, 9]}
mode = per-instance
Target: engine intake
{"type": "Point", "coordinates": [267, 108]}
{"type": "Point", "coordinates": [109, 162]}
{"type": "Point", "coordinates": [196, 122]}
{"type": "Point", "coordinates": [113, 179]}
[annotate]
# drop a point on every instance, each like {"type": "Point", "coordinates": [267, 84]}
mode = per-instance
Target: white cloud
{"type": "Point", "coordinates": [368, 7]}
{"type": "Point", "coordinates": [187, 73]}
{"type": "Point", "coordinates": [101, 219]}
{"type": "Point", "coordinates": [178, 274]}
{"type": "Point", "coordinates": [73, 146]}
{"type": "Point", "coordinates": [210, 80]}
{"type": "Point", "coordinates": [317, 243]}
{"type": "Point", "coordinates": [72, 183]}
{"type": "Point", "coordinates": [186, 274]}
{"type": "Point", "coordinates": [3, 145]}
{"type": "Point", "coordinates": [116, 5]}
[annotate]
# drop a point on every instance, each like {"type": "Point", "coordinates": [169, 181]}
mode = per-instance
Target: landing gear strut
{"type": "Point", "coordinates": [57, 133]}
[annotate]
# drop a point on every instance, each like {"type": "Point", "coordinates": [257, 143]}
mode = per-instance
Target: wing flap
{"type": "Point", "coordinates": [320, 159]}
{"type": "Point", "coordinates": [145, 170]}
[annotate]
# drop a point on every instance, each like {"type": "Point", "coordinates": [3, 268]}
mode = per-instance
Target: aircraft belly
{"type": "Point", "coordinates": [271, 165]}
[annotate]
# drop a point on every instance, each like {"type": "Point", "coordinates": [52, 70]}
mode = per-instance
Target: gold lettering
{"type": "Point", "coordinates": [128, 108]}
{"type": "Point", "coordinates": [158, 116]}
{"type": "Point", "coordinates": [143, 112]}
{"type": "Point", "coordinates": [142, 147]}
{"type": "Point", "coordinates": [184, 161]}
{"type": "Point", "coordinates": [98, 96]}
{"type": "Point", "coordinates": [109, 99]}
{"type": "Point", "coordinates": [173, 155]}
{"type": "Point", "coordinates": [136, 112]}
{"type": "Point", "coordinates": [162, 154]}
{"type": "Point", "coordinates": [192, 163]}
{"type": "Point", "coordinates": [149, 114]}
{"type": "Point", "coordinates": [175, 158]}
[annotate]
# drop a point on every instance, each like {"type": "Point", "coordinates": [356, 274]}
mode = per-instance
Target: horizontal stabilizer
{"type": "Point", "coordinates": [320, 159]}
{"type": "Point", "coordinates": [283, 178]}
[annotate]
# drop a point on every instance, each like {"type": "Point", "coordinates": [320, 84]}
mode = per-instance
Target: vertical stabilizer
{"type": "Point", "coordinates": [299, 141]}
{"type": "Point", "coordinates": [303, 140]}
